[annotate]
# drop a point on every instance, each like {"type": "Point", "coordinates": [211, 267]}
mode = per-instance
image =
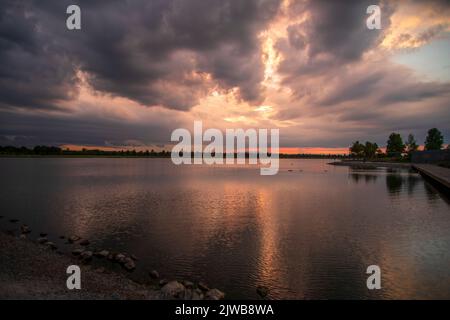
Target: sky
{"type": "Point", "coordinates": [139, 69]}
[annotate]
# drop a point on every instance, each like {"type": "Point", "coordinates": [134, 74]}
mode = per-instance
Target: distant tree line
{"type": "Point", "coordinates": [312, 156]}
{"type": "Point", "coordinates": [56, 151]}
{"type": "Point", "coordinates": [395, 147]}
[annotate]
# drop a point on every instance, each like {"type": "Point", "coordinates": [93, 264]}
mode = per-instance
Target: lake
{"type": "Point", "coordinates": [308, 232]}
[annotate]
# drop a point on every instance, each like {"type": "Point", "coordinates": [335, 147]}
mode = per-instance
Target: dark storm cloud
{"type": "Point", "coordinates": [339, 28]}
{"type": "Point", "coordinates": [324, 55]}
{"type": "Point", "coordinates": [173, 52]}
{"type": "Point", "coordinates": [319, 54]}
{"type": "Point", "coordinates": [334, 33]}
{"type": "Point", "coordinates": [415, 92]}
{"type": "Point", "coordinates": [35, 129]}
{"type": "Point", "coordinates": [358, 88]}
{"type": "Point", "coordinates": [153, 52]}
{"type": "Point", "coordinates": [33, 70]}
{"type": "Point", "coordinates": [344, 86]}
{"type": "Point", "coordinates": [384, 86]}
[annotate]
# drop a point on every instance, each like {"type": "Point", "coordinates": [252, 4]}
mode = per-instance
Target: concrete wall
{"type": "Point", "coordinates": [430, 156]}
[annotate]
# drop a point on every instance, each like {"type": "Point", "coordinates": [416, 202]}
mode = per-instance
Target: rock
{"type": "Point", "coordinates": [154, 274]}
{"type": "Point", "coordinates": [214, 294]}
{"type": "Point", "coordinates": [42, 234]}
{"type": "Point", "coordinates": [22, 236]}
{"type": "Point", "coordinates": [191, 294]}
{"type": "Point", "coordinates": [262, 291]}
{"type": "Point", "coordinates": [188, 284]}
{"type": "Point", "coordinates": [102, 254]}
{"type": "Point", "coordinates": [42, 240]}
{"type": "Point", "coordinates": [86, 255]}
{"type": "Point", "coordinates": [163, 282]}
{"type": "Point", "coordinates": [203, 286]}
{"type": "Point", "coordinates": [73, 239]}
{"type": "Point", "coordinates": [173, 289]}
{"type": "Point", "coordinates": [25, 229]}
{"type": "Point", "coordinates": [120, 258]}
{"type": "Point", "coordinates": [132, 256]}
{"type": "Point", "coordinates": [188, 294]}
{"type": "Point", "coordinates": [14, 220]}
{"type": "Point", "coordinates": [77, 252]}
{"type": "Point", "coordinates": [51, 245]}
{"type": "Point", "coordinates": [84, 242]}
{"type": "Point", "coordinates": [129, 264]}
{"type": "Point", "coordinates": [197, 294]}
{"type": "Point", "coordinates": [111, 256]}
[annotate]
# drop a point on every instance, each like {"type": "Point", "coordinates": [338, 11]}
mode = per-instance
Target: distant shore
{"type": "Point", "coordinates": [281, 156]}
{"type": "Point", "coordinates": [371, 164]}
{"type": "Point", "coordinates": [50, 151]}
{"type": "Point", "coordinates": [35, 156]}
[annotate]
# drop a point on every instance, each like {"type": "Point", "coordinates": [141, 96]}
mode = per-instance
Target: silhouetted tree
{"type": "Point", "coordinates": [411, 144]}
{"type": "Point", "coordinates": [370, 150]}
{"type": "Point", "coordinates": [357, 149]}
{"type": "Point", "coordinates": [395, 144]}
{"type": "Point", "coordinates": [434, 140]}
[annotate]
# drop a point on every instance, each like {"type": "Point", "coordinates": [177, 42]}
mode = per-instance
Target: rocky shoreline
{"type": "Point", "coordinates": [34, 268]}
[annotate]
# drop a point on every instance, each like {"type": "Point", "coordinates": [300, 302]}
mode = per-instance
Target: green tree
{"type": "Point", "coordinates": [411, 144]}
{"type": "Point", "coordinates": [395, 144]}
{"type": "Point", "coordinates": [370, 150]}
{"type": "Point", "coordinates": [357, 149]}
{"type": "Point", "coordinates": [434, 140]}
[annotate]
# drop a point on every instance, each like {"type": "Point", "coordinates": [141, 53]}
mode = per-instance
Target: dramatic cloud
{"type": "Point", "coordinates": [138, 69]}
{"type": "Point", "coordinates": [33, 70]}
{"type": "Point", "coordinates": [340, 76]}
{"type": "Point", "coordinates": [160, 52]}
{"type": "Point", "coordinates": [415, 23]}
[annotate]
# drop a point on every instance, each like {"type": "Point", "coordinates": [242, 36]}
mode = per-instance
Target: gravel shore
{"type": "Point", "coordinates": [31, 271]}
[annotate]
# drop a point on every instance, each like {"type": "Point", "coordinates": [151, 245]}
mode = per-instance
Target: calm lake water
{"type": "Point", "coordinates": [306, 233]}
